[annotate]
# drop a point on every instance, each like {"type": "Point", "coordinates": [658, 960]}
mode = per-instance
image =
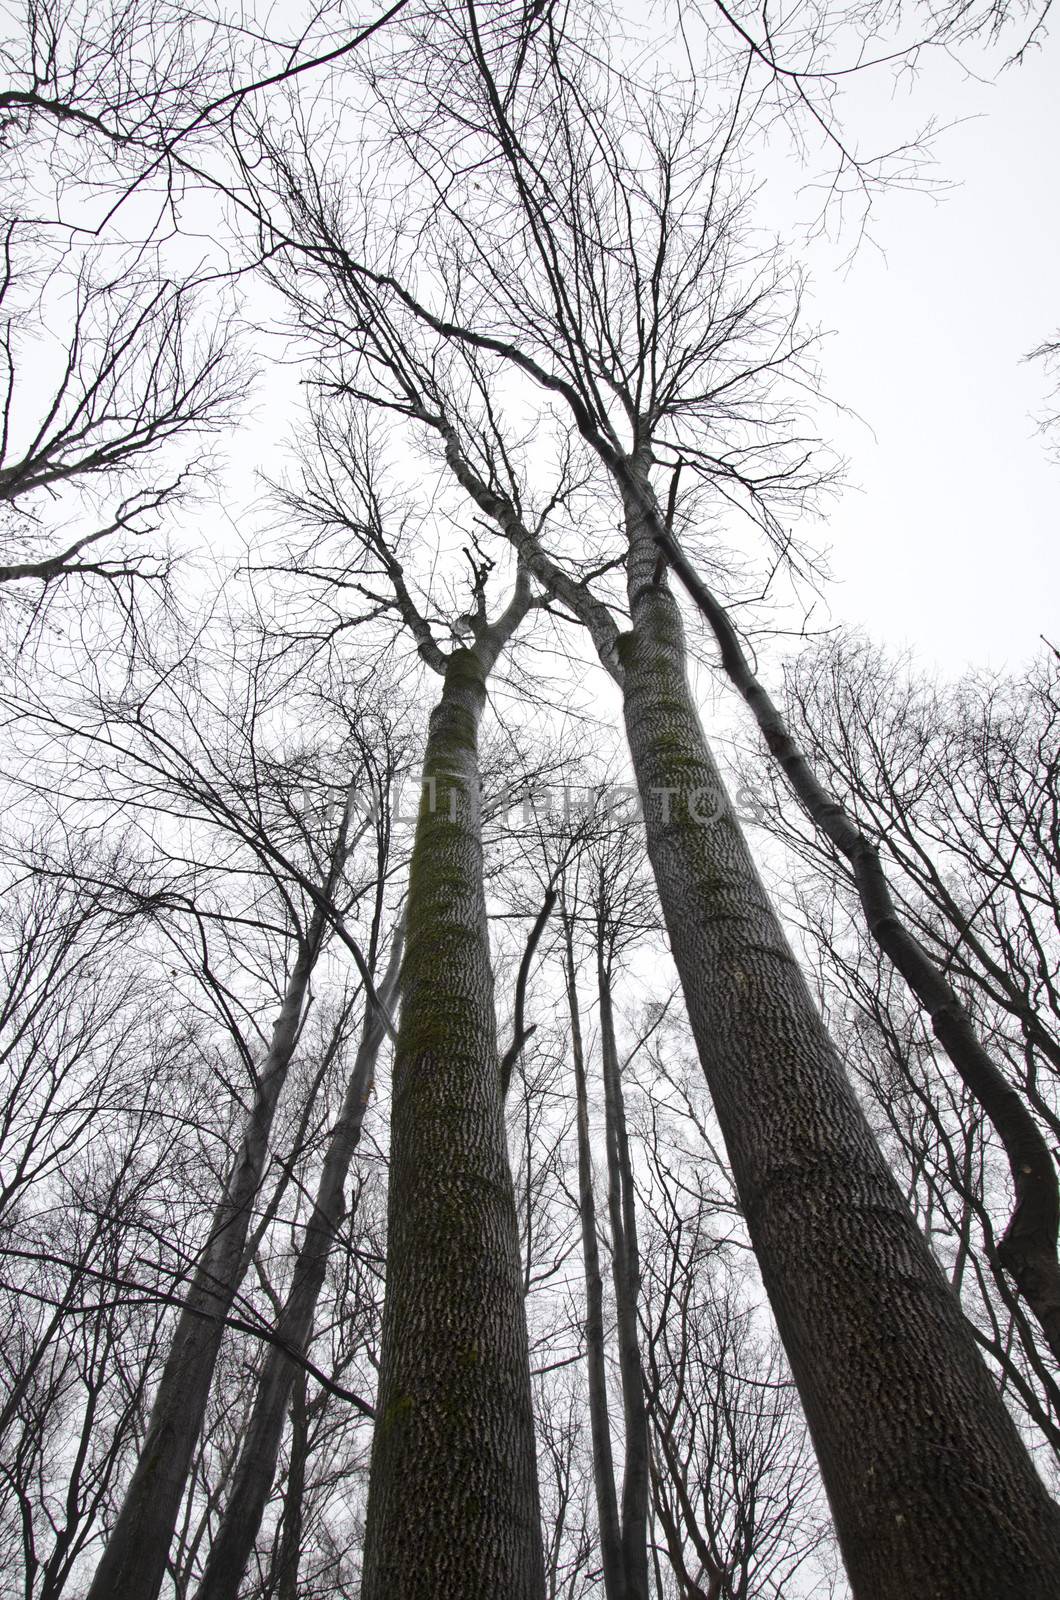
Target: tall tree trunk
{"type": "Point", "coordinates": [609, 1525]}
{"type": "Point", "coordinates": [256, 1464]}
{"type": "Point", "coordinates": [1028, 1249]}
{"type": "Point", "coordinates": [932, 1490]}
{"type": "Point", "coordinates": [133, 1564]}
{"type": "Point", "coordinates": [625, 1270]}
{"type": "Point", "coordinates": [453, 1501]}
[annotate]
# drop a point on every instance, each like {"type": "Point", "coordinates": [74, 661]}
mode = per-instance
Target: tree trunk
{"type": "Point", "coordinates": [932, 1490]}
{"type": "Point", "coordinates": [133, 1564]}
{"type": "Point", "coordinates": [289, 1537]}
{"type": "Point", "coordinates": [609, 1526]}
{"type": "Point", "coordinates": [1028, 1249]}
{"type": "Point", "coordinates": [256, 1465]}
{"type": "Point", "coordinates": [453, 1502]}
{"type": "Point", "coordinates": [625, 1267]}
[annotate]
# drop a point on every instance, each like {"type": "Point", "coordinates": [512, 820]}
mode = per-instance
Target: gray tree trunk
{"type": "Point", "coordinates": [256, 1465]}
{"type": "Point", "coordinates": [453, 1501]}
{"type": "Point", "coordinates": [608, 1523]}
{"type": "Point", "coordinates": [625, 1271]}
{"type": "Point", "coordinates": [289, 1539]}
{"type": "Point", "coordinates": [932, 1490]}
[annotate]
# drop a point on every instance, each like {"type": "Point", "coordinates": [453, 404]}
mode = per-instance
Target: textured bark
{"type": "Point", "coordinates": [133, 1564]}
{"type": "Point", "coordinates": [1028, 1249]}
{"type": "Point", "coordinates": [453, 1502]}
{"type": "Point", "coordinates": [256, 1465]}
{"type": "Point", "coordinates": [932, 1490]}
{"type": "Point", "coordinates": [625, 1270]}
{"type": "Point", "coordinates": [608, 1524]}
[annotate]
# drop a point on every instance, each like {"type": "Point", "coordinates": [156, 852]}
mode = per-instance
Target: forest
{"type": "Point", "coordinates": [529, 1044]}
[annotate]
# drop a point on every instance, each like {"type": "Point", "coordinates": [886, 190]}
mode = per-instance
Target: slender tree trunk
{"type": "Point", "coordinates": [453, 1502]}
{"type": "Point", "coordinates": [625, 1267]}
{"type": "Point", "coordinates": [133, 1564]}
{"type": "Point", "coordinates": [609, 1526]}
{"type": "Point", "coordinates": [256, 1464]}
{"type": "Point", "coordinates": [932, 1490]}
{"type": "Point", "coordinates": [289, 1548]}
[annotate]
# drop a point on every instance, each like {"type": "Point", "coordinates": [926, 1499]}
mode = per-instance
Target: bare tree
{"type": "Point", "coordinates": [245, 882]}
{"type": "Point", "coordinates": [547, 278]}
{"type": "Point", "coordinates": [135, 1557]}
{"type": "Point", "coordinates": [618, 907]}
{"type": "Point", "coordinates": [453, 1413]}
{"type": "Point", "coordinates": [609, 1522]}
{"type": "Point", "coordinates": [88, 1077]}
{"type": "Point", "coordinates": [589, 299]}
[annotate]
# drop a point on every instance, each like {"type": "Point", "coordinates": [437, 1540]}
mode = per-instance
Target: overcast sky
{"type": "Point", "coordinates": [949, 539]}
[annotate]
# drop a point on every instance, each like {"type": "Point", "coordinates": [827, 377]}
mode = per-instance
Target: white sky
{"type": "Point", "coordinates": [950, 542]}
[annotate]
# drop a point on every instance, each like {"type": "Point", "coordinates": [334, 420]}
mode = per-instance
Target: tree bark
{"type": "Point", "coordinates": [1028, 1249]}
{"type": "Point", "coordinates": [931, 1487]}
{"type": "Point", "coordinates": [453, 1501]}
{"type": "Point", "coordinates": [133, 1563]}
{"type": "Point", "coordinates": [256, 1464]}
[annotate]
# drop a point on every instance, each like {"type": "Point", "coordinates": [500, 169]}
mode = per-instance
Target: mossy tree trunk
{"type": "Point", "coordinates": [932, 1490]}
{"type": "Point", "coordinates": [453, 1500]}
